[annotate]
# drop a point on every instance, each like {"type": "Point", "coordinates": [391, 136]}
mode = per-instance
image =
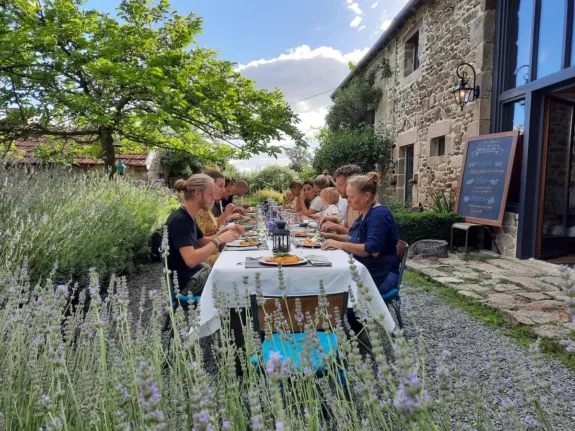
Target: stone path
{"type": "Point", "coordinates": [526, 291]}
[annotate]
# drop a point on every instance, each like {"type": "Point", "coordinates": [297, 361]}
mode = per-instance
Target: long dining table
{"type": "Point", "coordinates": [229, 271]}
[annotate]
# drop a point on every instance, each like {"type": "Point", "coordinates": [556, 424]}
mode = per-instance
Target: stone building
{"type": "Point", "coordinates": [523, 54]}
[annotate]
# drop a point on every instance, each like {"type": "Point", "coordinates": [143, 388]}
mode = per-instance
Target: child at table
{"type": "Point", "coordinates": [329, 198]}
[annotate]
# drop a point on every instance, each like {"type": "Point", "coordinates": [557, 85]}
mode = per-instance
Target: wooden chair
{"type": "Point", "coordinates": [392, 298]}
{"type": "Point", "coordinates": [290, 344]}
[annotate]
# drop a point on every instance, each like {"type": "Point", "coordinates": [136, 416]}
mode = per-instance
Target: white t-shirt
{"type": "Point", "coordinates": [342, 205]}
{"type": "Point", "coordinates": [330, 211]}
{"type": "Point", "coordinates": [316, 204]}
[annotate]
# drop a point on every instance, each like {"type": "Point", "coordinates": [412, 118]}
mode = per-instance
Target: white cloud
{"type": "Point", "coordinates": [363, 27]}
{"type": "Point", "coordinates": [355, 8]}
{"type": "Point", "coordinates": [386, 23]}
{"type": "Point", "coordinates": [300, 73]}
{"type": "Point", "coordinates": [356, 21]}
{"type": "Point", "coordinates": [373, 6]}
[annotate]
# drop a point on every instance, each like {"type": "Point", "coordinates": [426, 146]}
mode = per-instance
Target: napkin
{"type": "Point", "coordinates": [318, 260]}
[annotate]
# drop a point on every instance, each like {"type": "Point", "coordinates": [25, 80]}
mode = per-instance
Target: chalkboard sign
{"type": "Point", "coordinates": [485, 176]}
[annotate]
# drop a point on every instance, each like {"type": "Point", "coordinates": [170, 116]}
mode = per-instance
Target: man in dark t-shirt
{"type": "Point", "coordinates": [189, 247]}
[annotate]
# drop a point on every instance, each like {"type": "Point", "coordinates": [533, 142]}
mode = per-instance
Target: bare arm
{"type": "Point", "coordinates": [304, 210]}
{"type": "Point", "coordinates": [334, 236]}
{"type": "Point", "coordinates": [194, 256]}
{"type": "Point", "coordinates": [356, 249]}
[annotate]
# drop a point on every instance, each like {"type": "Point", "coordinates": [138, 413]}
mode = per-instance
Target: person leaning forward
{"type": "Point", "coordinates": [189, 248]}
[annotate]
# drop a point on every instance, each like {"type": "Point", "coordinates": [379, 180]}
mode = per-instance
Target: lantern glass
{"type": "Point", "coordinates": [462, 93]}
{"type": "Point", "coordinates": [281, 238]}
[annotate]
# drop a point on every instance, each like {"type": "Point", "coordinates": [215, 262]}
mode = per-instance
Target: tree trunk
{"type": "Point", "coordinates": [108, 154]}
{"type": "Point", "coordinates": [154, 164]}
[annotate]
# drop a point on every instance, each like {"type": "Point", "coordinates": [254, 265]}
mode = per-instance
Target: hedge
{"type": "Point", "coordinates": [413, 227]}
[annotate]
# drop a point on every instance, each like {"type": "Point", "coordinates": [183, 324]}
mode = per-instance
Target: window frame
{"type": "Point", "coordinates": [415, 63]}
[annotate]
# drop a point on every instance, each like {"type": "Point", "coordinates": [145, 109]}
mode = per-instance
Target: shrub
{"type": "Point", "coordinates": [276, 178]}
{"type": "Point", "coordinates": [94, 372]}
{"type": "Point", "coordinates": [413, 227]}
{"type": "Point", "coordinates": [262, 195]}
{"type": "Point", "coordinates": [78, 220]}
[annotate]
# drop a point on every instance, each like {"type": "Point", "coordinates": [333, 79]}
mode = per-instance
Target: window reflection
{"type": "Point", "coordinates": [551, 23]}
{"type": "Point", "coordinates": [514, 119]}
{"type": "Point", "coordinates": [520, 29]}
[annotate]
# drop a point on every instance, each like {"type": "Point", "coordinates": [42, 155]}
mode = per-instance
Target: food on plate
{"type": "Point", "coordinates": [283, 258]}
{"type": "Point", "coordinates": [246, 243]}
{"type": "Point", "coordinates": [300, 233]}
{"type": "Point", "coordinates": [311, 242]}
{"type": "Point", "coordinates": [248, 220]}
{"type": "Point", "coordinates": [251, 233]}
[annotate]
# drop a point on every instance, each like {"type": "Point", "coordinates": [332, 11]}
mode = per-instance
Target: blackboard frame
{"type": "Point", "coordinates": [489, 222]}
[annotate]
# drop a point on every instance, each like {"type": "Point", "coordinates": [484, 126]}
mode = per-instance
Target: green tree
{"type": "Point", "coordinates": [351, 103]}
{"type": "Point", "coordinates": [83, 75]}
{"type": "Point", "coordinates": [364, 146]}
{"type": "Point", "coordinates": [299, 156]}
{"type": "Point", "coordinates": [273, 177]}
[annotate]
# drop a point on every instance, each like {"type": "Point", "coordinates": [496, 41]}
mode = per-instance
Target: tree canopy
{"type": "Point", "coordinates": [85, 76]}
{"type": "Point", "coordinates": [364, 146]}
{"type": "Point", "coordinates": [299, 157]}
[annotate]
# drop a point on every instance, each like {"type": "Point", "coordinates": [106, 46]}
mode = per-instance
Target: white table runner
{"type": "Point", "coordinates": [229, 269]}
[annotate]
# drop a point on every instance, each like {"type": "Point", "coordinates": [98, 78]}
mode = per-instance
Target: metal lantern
{"type": "Point", "coordinates": [281, 238]}
{"type": "Point", "coordinates": [465, 93]}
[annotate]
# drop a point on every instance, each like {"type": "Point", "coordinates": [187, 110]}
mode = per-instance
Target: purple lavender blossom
{"type": "Point", "coordinates": [257, 422]}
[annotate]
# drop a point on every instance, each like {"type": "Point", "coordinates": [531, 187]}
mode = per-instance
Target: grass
{"type": "Point", "coordinates": [477, 270]}
{"type": "Point", "coordinates": [490, 316]}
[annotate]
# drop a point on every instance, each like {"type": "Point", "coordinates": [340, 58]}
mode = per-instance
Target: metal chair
{"type": "Point", "coordinates": [291, 343]}
{"type": "Point", "coordinates": [392, 298]}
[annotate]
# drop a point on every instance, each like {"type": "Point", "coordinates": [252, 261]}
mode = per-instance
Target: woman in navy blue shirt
{"type": "Point", "coordinates": [372, 238]}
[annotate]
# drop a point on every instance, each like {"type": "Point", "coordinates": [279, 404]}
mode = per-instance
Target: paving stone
{"type": "Point", "coordinates": [517, 267]}
{"type": "Point", "coordinates": [568, 325]}
{"type": "Point", "coordinates": [559, 296]}
{"type": "Point", "coordinates": [547, 305]}
{"type": "Point", "coordinates": [467, 275]}
{"type": "Point", "coordinates": [484, 275]}
{"type": "Point", "coordinates": [485, 267]}
{"type": "Point", "coordinates": [470, 294]}
{"type": "Point", "coordinates": [448, 280]}
{"type": "Point", "coordinates": [489, 253]}
{"type": "Point", "coordinates": [504, 288]}
{"type": "Point", "coordinates": [532, 296]}
{"type": "Point", "coordinates": [551, 331]}
{"type": "Point", "coordinates": [555, 281]}
{"type": "Point", "coordinates": [477, 288]}
{"type": "Point", "coordinates": [503, 300]}
{"type": "Point", "coordinates": [434, 272]}
{"type": "Point", "coordinates": [517, 317]}
{"type": "Point", "coordinates": [541, 317]}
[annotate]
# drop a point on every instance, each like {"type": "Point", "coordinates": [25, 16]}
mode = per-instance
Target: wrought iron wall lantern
{"type": "Point", "coordinates": [463, 92]}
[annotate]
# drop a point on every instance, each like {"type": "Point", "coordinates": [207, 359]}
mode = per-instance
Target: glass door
{"type": "Point", "coordinates": [557, 209]}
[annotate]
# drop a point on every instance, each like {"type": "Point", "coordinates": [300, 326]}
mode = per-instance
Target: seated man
{"type": "Point", "coordinates": [239, 188]}
{"type": "Point", "coordinates": [189, 248]}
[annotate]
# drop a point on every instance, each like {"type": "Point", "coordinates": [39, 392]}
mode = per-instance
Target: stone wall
{"type": "Point", "coordinates": [506, 236]}
{"type": "Point", "coordinates": [418, 107]}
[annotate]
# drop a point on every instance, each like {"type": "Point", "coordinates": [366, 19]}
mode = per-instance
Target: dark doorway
{"type": "Point", "coordinates": [408, 175]}
{"type": "Point", "coordinates": [557, 199]}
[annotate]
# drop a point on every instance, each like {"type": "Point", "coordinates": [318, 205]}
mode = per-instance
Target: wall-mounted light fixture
{"type": "Point", "coordinates": [463, 92]}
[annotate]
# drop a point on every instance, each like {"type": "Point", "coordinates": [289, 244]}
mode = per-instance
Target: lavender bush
{"type": "Point", "coordinates": [79, 220]}
{"type": "Point", "coordinates": [105, 368]}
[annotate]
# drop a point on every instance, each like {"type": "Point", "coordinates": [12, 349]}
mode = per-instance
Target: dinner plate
{"type": "Point", "coordinates": [237, 244]}
{"type": "Point", "coordinates": [300, 235]}
{"type": "Point", "coordinates": [248, 226]}
{"type": "Point", "coordinates": [301, 262]}
{"type": "Point", "coordinates": [301, 244]}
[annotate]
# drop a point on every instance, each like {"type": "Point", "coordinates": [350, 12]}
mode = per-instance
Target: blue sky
{"type": "Point", "coordinates": [299, 46]}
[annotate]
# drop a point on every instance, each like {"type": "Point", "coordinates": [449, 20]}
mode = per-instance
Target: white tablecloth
{"type": "Point", "coordinates": [299, 281]}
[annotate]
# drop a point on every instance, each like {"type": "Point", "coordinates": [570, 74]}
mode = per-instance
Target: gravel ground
{"type": "Point", "coordinates": [471, 344]}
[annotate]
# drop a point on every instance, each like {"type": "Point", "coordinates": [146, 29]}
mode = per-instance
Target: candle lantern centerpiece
{"type": "Point", "coordinates": [281, 238]}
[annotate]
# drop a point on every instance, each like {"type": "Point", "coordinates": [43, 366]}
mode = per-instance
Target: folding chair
{"type": "Point", "coordinates": [291, 344]}
{"type": "Point", "coordinates": [392, 298]}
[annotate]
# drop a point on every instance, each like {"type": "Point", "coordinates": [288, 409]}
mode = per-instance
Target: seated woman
{"type": "Point", "coordinates": [309, 202]}
{"type": "Point", "coordinates": [205, 218]}
{"type": "Point", "coordinates": [288, 200]}
{"type": "Point", "coordinates": [372, 238]}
